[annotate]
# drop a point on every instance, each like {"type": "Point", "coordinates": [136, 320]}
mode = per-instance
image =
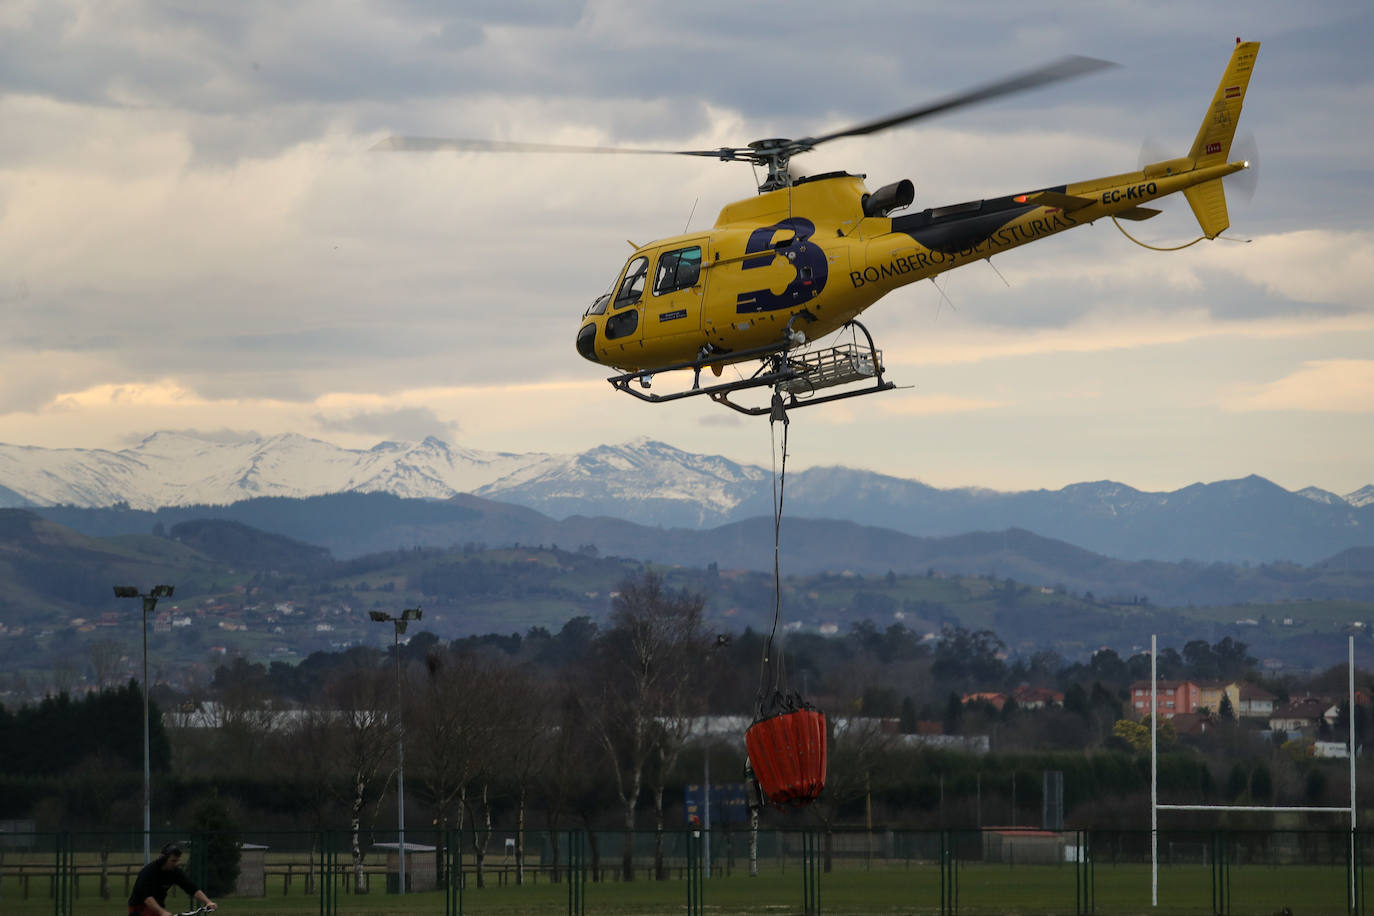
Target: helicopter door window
{"type": "Point", "coordinates": [632, 287]}
{"type": "Point", "coordinates": [677, 270]}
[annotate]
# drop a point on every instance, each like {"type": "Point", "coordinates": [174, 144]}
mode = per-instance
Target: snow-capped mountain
{"type": "Point", "coordinates": [1318, 495]}
{"type": "Point", "coordinates": [1362, 497]}
{"type": "Point", "coordinates": [653, 479]}
{"type": "Point", "coordinates": [181, 469]}
{"type": "Point", "coordinates": [652, 483]}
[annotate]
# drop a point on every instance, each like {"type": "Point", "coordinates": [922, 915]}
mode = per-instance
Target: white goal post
{"type": "Point", "coordinates": [1156, 807]}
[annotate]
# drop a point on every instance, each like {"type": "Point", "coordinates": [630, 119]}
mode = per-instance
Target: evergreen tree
{"type": "Point", "coordinates": [907, 721]}
{"type": "Point", "coordinates": [1236, 782]}
{"type": "Point", "coordinates": [213, 821]}
{"type": "Point", "coordinates": [954, 715]}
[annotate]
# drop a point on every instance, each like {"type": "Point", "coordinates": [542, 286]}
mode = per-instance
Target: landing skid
{"type": "Point", "coordinates": [797, 378]}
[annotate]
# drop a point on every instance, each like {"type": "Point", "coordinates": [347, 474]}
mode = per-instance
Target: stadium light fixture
{"type": "Point", "coordinates": [149, 605]}
{"type": "Point", "coordinates": [399, 627]}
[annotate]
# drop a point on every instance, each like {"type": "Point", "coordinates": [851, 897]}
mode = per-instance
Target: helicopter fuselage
{"type": "Point", "coordinates": [807, 259]}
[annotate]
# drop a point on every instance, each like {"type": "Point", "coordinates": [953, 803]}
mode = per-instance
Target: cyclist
{"type": "Point", "coordinates": [156, 878]}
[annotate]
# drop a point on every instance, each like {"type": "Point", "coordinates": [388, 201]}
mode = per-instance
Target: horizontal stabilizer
{"type": "Point", "coordinates": [1208, 201]}
{"type": "Point", "coordinates": [1139, 213]}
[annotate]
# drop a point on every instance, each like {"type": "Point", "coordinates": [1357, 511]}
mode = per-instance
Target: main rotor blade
{"type": "Point", "coordinates": [1062, 69]}
{"type": "Point", "coordinates": [434, 144]}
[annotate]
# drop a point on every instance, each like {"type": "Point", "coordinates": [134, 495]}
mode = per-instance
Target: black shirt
{"type": "Point", "coordinates": [154, 881]}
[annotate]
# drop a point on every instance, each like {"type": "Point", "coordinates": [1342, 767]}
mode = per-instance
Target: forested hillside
{"type": "Point", "coordinates": [555, 726]}
{"type": "Point", "coordinates": [264, 597]}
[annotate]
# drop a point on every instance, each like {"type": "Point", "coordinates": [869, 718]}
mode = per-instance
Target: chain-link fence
{"type": "Point", "coordinates": [728, 870]}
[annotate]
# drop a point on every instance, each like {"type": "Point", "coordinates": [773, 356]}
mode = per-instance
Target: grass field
{"type": "Point", "coordinates": [891, 888]}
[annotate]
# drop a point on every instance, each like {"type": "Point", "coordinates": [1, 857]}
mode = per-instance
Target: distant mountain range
{"type": "Point", "coordinates": [181, 469]}
{"type": "Point", "coordinates": [377, 529]}
{"type": "Point", "coordinates": [264, 593]}
{"type": "Point", "coordinates": [654, 484]}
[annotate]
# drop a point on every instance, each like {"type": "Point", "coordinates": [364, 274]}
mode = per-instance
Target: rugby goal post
{"type": "Point", "coordinates": [1156, 807]}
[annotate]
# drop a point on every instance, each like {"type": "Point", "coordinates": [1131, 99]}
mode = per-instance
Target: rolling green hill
{"type": "Point", "coordinates": [241, 591]}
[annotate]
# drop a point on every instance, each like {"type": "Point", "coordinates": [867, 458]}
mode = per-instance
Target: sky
{"type": "Point", "coordinates": [195, 233]}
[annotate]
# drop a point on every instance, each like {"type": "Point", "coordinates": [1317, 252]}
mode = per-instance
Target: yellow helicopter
{"type": "Point", "coordinates": [807, 255]}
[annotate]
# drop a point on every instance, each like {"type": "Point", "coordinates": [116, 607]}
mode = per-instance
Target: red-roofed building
{"type": "Point", "coordinates": [1037, 697]}
{"type": "Point", "coordinates": [1174, 697]}
{"type": "Point", "coordinates": [997, 700]}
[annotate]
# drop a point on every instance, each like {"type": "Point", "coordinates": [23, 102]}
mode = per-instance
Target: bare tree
{"type": "Point", "coordinates": [444, 731]}
{"type": "Point", "coordinates": [108, 666]}
{"type": "Point", "coordinates": [360, 701]}
{"type": "Point", "coordinates": [855, 748]}
{"type": "Point", "coordinates": [568, 784]}
{"type": "Point", "coordinates": [681, 702]}
{"type": "Point", "coordinates": [487, 757]}
{"type": "Point", "coordinates": [525, 724]}
{"type": "Point", "coordinates": [644, 665]}
{"type": "Point", "coordinates": [309, 752]}
{"type": "Point", "coordinates": [462, 741]}
{"type": "Point", "coordinates": [242, 720]}
{"type": "Point", "coordinates": [96, 794]}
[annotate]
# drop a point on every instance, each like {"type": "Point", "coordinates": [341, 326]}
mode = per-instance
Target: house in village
{"type": "Point", "coordinates": [1192, 724]}
{"type": "Point", "coordinates": [1173, 697]}
{"type": "Point", "coordinates": [1302, 717]}
{"type": "Point", "coordinates": [1248, 701]}
{"type": "Point", "coordinates": [1037, 697]}
{"type": "Point", "coordinates": [1252, 701]}
{"type": "Point", "coordinates": [1024, 696]}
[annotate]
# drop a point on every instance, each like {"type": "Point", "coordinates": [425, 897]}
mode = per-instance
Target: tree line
{"type": "Point", "coordinates": [596, 726]}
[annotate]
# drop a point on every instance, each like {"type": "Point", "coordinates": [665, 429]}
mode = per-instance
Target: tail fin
{"type": "Point", "coordinates": [1213, 143]}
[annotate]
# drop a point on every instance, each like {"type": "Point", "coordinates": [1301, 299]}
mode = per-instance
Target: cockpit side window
{"type": "Point", "coordinates": [677, 270]}
{"type": "Point", "coordinates": [632, 287]}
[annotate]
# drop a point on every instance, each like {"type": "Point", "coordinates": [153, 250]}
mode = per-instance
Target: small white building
{"type": "Point", "coordinates": [1331, 749]}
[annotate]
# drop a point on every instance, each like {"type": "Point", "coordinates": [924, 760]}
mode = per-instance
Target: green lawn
{"type": "Point", "coordinates": [892, 887]}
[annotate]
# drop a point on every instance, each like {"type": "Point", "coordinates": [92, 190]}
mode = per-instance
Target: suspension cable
{"type": "Point", "coordinates": [1155, 247]}
{"type": "Point", "coordinates": [779, 413]}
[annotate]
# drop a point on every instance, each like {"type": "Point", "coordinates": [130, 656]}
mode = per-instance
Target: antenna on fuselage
{"type": "Point", "coordinates": [943, 297]}
{"type": "Point", "coordinates": [996, 271]}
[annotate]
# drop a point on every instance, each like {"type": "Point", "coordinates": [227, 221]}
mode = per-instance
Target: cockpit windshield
{"type": "Point", "coordinates": [599, 306]}
{"type": "Point", "coordinates": [626, 289]}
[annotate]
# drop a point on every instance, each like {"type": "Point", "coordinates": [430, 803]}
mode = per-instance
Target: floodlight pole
{"type": "Point", "coordinates": [1350, 724]}
{"type": "Point", "coordinates": [1154, 770]}
{"type": "Point", "coordinates": [149, 605]}
{"type": "Point", "coordinates": [399, 627]}
{"type": "Point", "coordinates": [706, 820]}
{"type": "Point", "coordinates": [147, 741]}
{"type": "Point", "coordinates": [400, 768]}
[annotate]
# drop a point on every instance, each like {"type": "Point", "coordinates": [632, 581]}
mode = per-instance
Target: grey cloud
{"type": "Point", "coordinates": [247, 80]}
{"type": "Point", "coordinates": [726, 420]}
{"type": "Point", "coordinates": [283, 73]}
{"type": "Point", "coordinates": [29, 392]}
{"type": "Point", "coordinates": [1225, 297]}
{"type": "Point", "coordinates": [223, 435]}
{"type": "Point", "coordinates": [1236, 299]}
{"type": "Point", "coordinates": [862, 58]}
{"type": "Point", "coordinates": [407, 423]}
